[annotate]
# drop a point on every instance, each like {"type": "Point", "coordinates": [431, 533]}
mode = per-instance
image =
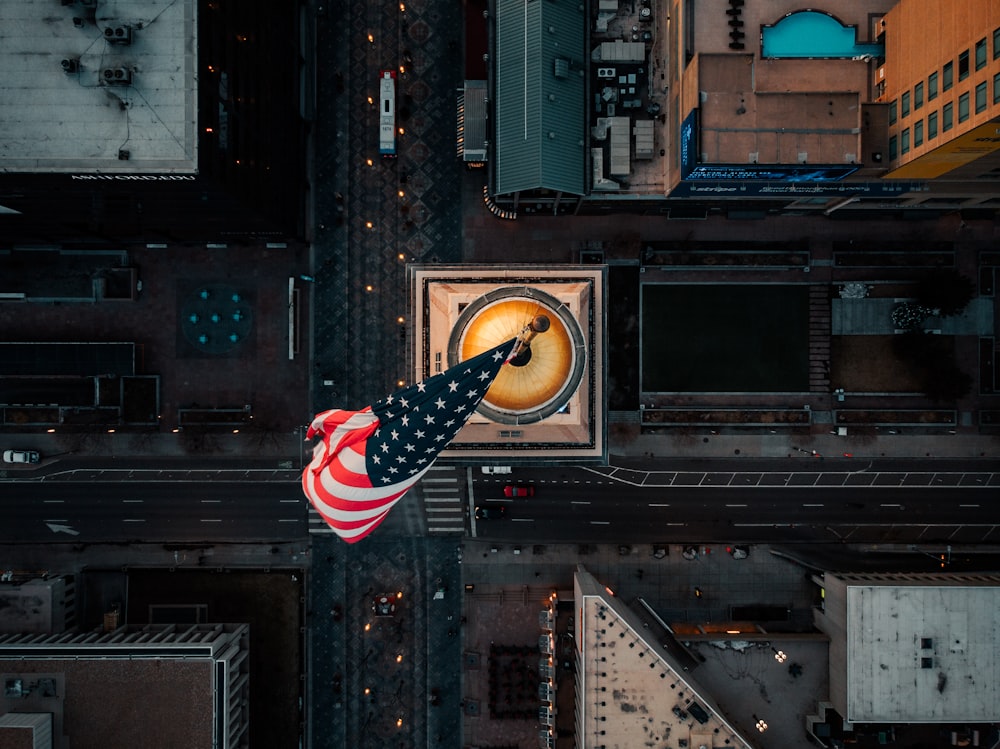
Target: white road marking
{"type": "Point", "coordinates": [658, 504]}
{"type": "Point", "coordinates": [133, 520]}
{"type": "Point", "coordinates": [579, 502]}
{"type": "Point", "coordinates": [600, 522]}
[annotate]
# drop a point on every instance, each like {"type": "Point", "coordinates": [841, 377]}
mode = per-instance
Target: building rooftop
{"type": "Point", "coordinates": [98, 86]}
{"type": "Point", "coordinates": [923, 653]}
{"type": "Point", "coordinates": [630, 690]}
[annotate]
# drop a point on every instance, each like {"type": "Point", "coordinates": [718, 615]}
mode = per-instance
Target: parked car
{"type": "Point", "coordinates": [21, 456]}
{"type": "Point", "coordinates": [491, 512]}
{"type": "Point", "coordinates": [516, 490]}
{"type": "Point", "coordinates": [738, 552]}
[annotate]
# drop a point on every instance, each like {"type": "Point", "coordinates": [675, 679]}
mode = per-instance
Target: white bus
{"type": "Point", "coordinates": [387, 114]}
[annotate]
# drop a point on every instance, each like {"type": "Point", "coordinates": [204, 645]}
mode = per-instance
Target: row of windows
{"type": "Point", "coordinates": [946, 79]}
{"type": "Point", "coordinates": [947, 120]}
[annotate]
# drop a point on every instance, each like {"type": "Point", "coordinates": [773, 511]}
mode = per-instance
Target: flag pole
{"type": "Point", "coordinates": [521, 353]}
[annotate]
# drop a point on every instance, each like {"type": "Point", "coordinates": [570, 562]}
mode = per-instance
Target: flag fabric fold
{"type": "Point", "coordinates": [366, 460]}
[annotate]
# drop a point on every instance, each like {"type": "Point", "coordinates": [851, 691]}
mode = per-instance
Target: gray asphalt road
{"type": "Point", "coordinates": [152, 512]}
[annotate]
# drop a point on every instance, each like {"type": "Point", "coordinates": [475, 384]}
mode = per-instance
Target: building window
{"type": "Point", "coordinates": [904, 141]}
{"type": "Point", "coordinates": [905, 104]}
{"type": "Point", "coordinates": [996, 43]}
{"type": "Point", "coordinates": [932, 83]}
{"type": "Point", "coordinates": [932, 126]}
{"type": "Point", "coordinates": [892, 112]}
{"type": "Point", "coordinates": [946, 115]}
{"type": "Point", "coordinates": [918, 133]}
{"type": "Point", "coordinates": [963, 65]}
{"type": "Point", "coordinates": [893, 148]}
{"type": "Point", "coordinates": [918, 95]}
{"type": "Point", "coordinates": [947, 75]}
{"type": "Point", "coordinates": [981, 54]}
{"type": "Point", "coordinates": [963, 107]}
{"type": "Point", "coordinates": [996, 89]}
{"type": "Point", "coordinates": [981, 97]}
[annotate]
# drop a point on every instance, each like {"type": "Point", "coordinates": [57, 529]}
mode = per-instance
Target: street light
{"type": "Point", "coordinates": [779, 656]}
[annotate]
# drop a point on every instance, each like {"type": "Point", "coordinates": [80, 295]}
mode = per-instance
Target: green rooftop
{"type": "Point", "coordinates": [540, 96]}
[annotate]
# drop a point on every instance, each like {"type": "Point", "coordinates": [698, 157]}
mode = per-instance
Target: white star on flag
{"type": "Point", "coordinates": [346, 482]}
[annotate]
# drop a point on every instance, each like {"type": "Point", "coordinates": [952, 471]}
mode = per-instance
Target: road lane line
{"type": "Point", "coordinates": [133, 501]}
{"type": "Point", "coordinates": [522, 520]}
{"type": "Point", "coordinates": [288, 520]}
{"type": "Point", "coordinates": [600, 522]}
{"type": "Point", "coordinates": [290, 501]}
{"type": "Point", "coordinates": [735, 505]}
{"type": "Point", "coordinates": [579, 502]}
{"type": "Point", "coordinates": [133, 520]}
{"type": "Point", "coordinates": [211, 520]}
{"type": "Point", "coordinates": [447, 480]}
{"type": "Point", "coordinates": [53, 501]}
{"type": "Point", "coordinates": [658, 504]}
{"type": "Point", "coordinates": [812, 504]}
{"type": "Point", "coordinates": [211, 501]}
{"type": "Point", "coordinates": [971, 506]}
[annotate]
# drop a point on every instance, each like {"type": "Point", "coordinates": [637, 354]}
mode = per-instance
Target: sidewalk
{"type": "Point", "coordinates": [285, 454]}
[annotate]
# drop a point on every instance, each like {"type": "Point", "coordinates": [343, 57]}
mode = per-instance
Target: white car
{"type": "Point", "coordinates": [21, 456]}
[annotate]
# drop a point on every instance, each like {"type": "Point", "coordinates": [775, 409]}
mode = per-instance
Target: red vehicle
{"type": "Point", "coordinates": [515, 490]}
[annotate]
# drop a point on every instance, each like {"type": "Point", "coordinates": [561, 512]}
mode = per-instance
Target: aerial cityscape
{"type": "Point", "coordinates": [499, 374]}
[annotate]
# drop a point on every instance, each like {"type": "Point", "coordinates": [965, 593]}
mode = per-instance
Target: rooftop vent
{"type": "Point", "coordinates": [70, 65]}
{"type": "Point", "coordinates": [117, 76]}
{"type": "Point", "coordinates": [118, 34]}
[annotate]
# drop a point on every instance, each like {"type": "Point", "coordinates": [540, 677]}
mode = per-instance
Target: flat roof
{"type": "Point", "coordinates": [98, 87]}
{"type": "Point", "coordinates": [146, 702]}
{"type": "Point", "coordinates": [923, 653]}
{"type": "Point", "coordinates": [630, 690]}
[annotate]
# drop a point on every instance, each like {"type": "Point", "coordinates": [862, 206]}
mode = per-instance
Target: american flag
{"type": "Point", "coordinates": [367, 460]}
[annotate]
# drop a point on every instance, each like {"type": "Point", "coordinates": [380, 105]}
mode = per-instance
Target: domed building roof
{"type": "Point", "coordinates": [540, 381]}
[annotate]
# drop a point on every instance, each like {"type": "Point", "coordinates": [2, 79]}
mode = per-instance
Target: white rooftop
{"type": "Point", "coordinates": [76, 97]}
{"type": "Point", "coordinates": [630, 691]}
{"type": "Point", "coordinates": [923, 653]}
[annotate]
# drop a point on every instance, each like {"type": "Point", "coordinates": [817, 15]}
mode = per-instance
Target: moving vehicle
{"type": "Point", "coordinates": [492, 470]}
{"type": "Point", "coordinates": [516, 490]}
{"type": "Point", "coordinates": [491, 512]}
{"type": "Point", "coordinates": [21, 456]}
{"type": "Point", "coordinates": [738, 552]}
{"type": "Point", "coordinates": [387, 114]}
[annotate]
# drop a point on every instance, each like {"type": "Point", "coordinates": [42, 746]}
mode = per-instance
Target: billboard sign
{"type": "Point", "coordinates": [771, 172]}
{"type": "Point", "coordinates": [689, 143]}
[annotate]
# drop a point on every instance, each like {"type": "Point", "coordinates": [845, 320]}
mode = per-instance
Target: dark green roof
{"type": "Point", "coordinates": [540, 90]}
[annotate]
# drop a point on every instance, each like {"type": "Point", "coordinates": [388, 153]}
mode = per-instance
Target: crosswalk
{"type": "Point", "coordinates": [443, 503]}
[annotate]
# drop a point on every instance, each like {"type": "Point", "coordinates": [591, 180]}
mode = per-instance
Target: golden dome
{"type": "Point", "coordinates": [529, 387]}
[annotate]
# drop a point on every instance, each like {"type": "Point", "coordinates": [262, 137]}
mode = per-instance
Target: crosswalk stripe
{"type": "Point", "coordinates": [441, 500]}
{"type": "Point", "coordinates": [448, 480]}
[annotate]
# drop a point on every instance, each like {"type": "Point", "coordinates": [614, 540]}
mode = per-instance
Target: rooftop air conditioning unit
{"type": "Point", "coordinates": [117, 76]}
{"type": "Point", "coordinates": [70, 65]}
{"type": "Point", "coordinates": [118, 34]}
